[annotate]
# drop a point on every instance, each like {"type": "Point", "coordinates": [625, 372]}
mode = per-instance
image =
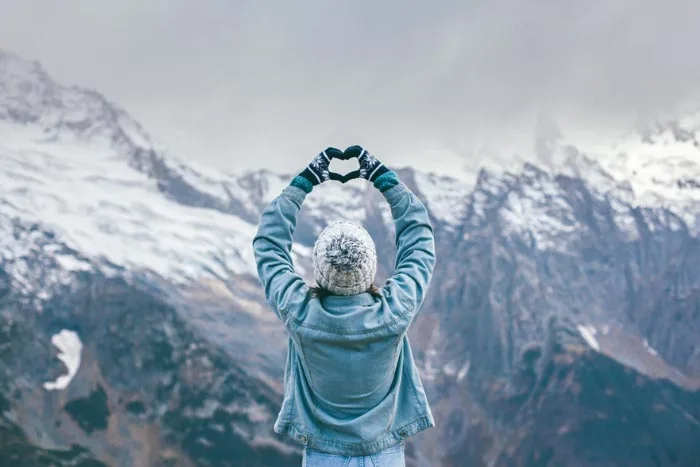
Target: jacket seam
{"type": "Point", "coordinates": [292, 393]}
{"type": "Point", "coordinates": [399, 434]}
{"type": "Point", "coordinates": [294, 193]}
{"type": "Point", "coordinates": [311, 378]}
{"type": "Point", "coordinates": [397, 353]}
{"type": "Point", "coordinates": [404, 309]}
{"type": "Point", "coordinates": [342, 331]}
{"type": "Point", "coordinates": [396, 192]}
{"type": "Point", "coordinates": [413, 387]}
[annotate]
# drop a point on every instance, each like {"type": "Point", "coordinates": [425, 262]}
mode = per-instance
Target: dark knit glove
{"type": "Point", "coordinates": [370, 167]}
{"type": "Point", "coordinates": [317, 171]}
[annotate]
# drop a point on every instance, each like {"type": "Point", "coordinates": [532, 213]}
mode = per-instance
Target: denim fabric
{"type": "Point", "coordinates": [351, 386]}
{"type": "Point", "coordinates": [390, 457]}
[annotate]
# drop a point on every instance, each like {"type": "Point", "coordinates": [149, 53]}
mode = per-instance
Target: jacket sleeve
{"type": "Point", "coordinates": [272, 246]}
{"type": "Point", "coordinates": [415, 250]}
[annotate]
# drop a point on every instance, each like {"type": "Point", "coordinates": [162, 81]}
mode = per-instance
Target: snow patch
{"type": "Point", "coordinates": [106, 209]}
{"type": "Point", "coordinates": [71, 263]}
{"type": "Point", "coordinates": [464, 371]}
{"type": "Point", "coordinates": [537, 210]}
{"type": "Point", "coordinates": [650, 349]}
{"type": "Point", "coordinates": [588, 333]}
{"type": "Point", "coordinates": [445, 197]}
{"type": "Point", "coordinates": [70, 348]}
{"type": "Point", "coordinates": [661, 171]}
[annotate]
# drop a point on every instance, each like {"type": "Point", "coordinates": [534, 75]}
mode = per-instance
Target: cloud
{"type": "Point", "coordinates": [247, 84]}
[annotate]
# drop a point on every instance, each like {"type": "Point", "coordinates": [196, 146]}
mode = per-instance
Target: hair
{"type": "Point", "coordinates": [319, 292]}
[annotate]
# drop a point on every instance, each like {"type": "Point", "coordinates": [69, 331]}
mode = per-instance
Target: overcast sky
{"type": "Point", "coordinates": [244, 84]}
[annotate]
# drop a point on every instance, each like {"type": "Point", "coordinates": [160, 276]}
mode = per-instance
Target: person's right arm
{"type": "Point", "coordinates": [415, 244]}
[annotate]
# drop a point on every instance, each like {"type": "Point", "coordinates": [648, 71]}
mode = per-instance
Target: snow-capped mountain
{"type": "Point", "coordinates": [565, 299]}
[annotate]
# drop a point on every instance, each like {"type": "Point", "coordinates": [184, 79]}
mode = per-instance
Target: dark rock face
{"type": "Point", "coordinates": [172, 184]}
{"type": "Point", "coordinates": [594, 275]}
{"type": "Point", "coordinates": [594, 411]}
{"type": "Point", "coordinates": [572, 406]}
{"type": "Point", "coordinates": [146, 369]}
{"type": "Point", "coordinates": [535, 394]}
{"type": "Point", "coordinates": [16, 450]}
{"type": "Point", "coordinates": [90, 413]}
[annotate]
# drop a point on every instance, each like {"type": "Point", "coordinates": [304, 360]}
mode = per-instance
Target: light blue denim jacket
{"type": "Point", "coordinates": [351, 386]}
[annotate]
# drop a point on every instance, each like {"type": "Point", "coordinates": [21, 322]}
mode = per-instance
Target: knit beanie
{"type": "Point", "coordinates": [345, 259]}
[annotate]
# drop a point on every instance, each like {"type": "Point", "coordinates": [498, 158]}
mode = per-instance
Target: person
{"type": "Point", "coordinates": [352, 392]}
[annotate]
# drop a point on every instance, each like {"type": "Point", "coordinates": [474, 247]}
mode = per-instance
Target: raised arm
{"type": "Point", "coordinates": [272, 244]}
{"type": "Point", "coordinates": [415, 244]}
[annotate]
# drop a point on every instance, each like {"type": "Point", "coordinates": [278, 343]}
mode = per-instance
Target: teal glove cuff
{"type": "Point", "coordinates": [386, 181]}
{"type": "Point", "coordinates": [303, 183]}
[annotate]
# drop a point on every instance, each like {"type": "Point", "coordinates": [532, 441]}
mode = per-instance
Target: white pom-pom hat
{"type": "Point", "coordinates": [345, 259]}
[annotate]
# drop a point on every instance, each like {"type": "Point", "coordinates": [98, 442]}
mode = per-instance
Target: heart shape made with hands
{"type": "Point", "coordinates": [334, 153]}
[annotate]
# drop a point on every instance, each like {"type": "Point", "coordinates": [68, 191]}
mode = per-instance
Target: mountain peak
{"type": "Point", "coordinates": [679, 129]}
{"type": "Point", "coordinates": [14, 65]}
{"type": "Point", "coordinates": [37, 109]}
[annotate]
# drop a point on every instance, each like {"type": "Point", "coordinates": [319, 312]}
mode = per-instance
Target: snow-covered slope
{"type": "Point", "coordinates": [445, 197]}
{"type": "Point", "coordinates": [655, 168]}
{"type": "Point", "coordinates": [49, 112]}
{"type": "Point", "coordinates": [81, 167]}
{"type": "Point", "coordinates": [107, 210]}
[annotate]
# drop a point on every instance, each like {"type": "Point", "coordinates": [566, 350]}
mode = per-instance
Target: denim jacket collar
{"type": "Point", "coordinates": [362, 299]}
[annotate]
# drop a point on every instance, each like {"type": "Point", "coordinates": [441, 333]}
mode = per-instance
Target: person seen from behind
{"type": "Point", "coordinates": [352, 393]}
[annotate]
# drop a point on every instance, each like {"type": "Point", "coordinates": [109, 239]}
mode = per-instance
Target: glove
{"type": "Point", "coordinates": [317, 171]}
{"type": "Point", "coordinates": [370, 167]}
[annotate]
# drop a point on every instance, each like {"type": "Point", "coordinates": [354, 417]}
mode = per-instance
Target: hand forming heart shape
{"type": "Point", "coordinates": [334, 153]}
{"type": "Point", "coordinates": [345, 178]}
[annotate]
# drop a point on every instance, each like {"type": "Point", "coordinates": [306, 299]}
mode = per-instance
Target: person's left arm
{"type": "Point", "coordinates": [272, 244]}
